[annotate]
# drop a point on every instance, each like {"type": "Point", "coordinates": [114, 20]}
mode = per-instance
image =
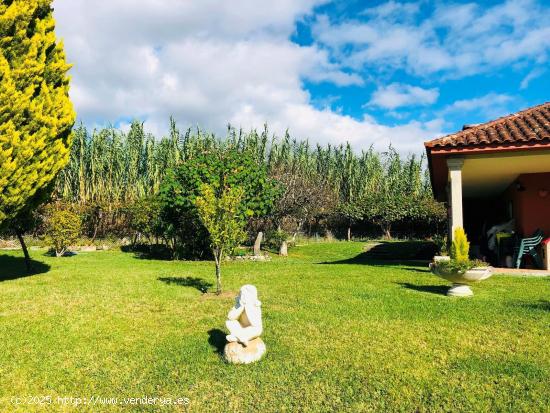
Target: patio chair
{"type": "Point", "coordinates": [529, 246]}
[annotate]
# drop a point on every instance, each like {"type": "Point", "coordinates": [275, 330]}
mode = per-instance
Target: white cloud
{"type": "Point", "coordinates": [491, 106]}
{"type": "Point", "coordinates": [209, 63]}
{"type": "Point", "coordinates": [398, 95]}
{"type": "Point", "coordinates": [457, 40]}
{"type": "Point", "coordinates": [532, 75]}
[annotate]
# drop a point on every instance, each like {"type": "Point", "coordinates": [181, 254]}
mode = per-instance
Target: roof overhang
{"type": "Point", "coordinates": [487, 170]}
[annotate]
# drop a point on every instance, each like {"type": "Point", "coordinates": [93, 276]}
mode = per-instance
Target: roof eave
{"type": "Point", "coordinates": [488, 148]}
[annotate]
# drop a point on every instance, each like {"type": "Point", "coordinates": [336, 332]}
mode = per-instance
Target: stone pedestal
{"type": "Point", "coordinates": [283, 251]}
{"type": "Point", "coordinates": [460, 290]}
{"type": "Point", "coordinates": [236, 353]}
{"type": "Point", "coordinates": [258, 243]}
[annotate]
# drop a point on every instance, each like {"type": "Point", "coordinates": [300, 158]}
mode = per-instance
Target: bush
{"type": "Point", "coordinates": [454, 266]}
{"type": "Point", "coordinates": [274, 239]}
{"type": "Point", "coordinates": [441, 242]}
{"type": "Point", "coordinates": [62, 227]}
{"type": "Point", "coordinates": [144, 219]}
{"type": "Point", "coordinates": [460, 247]}
{"type": "Point", "coordinates": [460, 261]}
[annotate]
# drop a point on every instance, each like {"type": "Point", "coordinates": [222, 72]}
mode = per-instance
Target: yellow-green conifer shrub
{"type": "Point", "coordinates": [460, 247]}
{"type": "Point", "coordinates": [36, 115]}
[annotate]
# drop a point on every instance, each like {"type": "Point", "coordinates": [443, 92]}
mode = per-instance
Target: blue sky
{"type": "Point", "coordinates": [372, 73]}
{"type": "Point", "coordinates": [485, 90]}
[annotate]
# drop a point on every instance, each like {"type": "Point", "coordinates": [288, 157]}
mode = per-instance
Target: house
{"type": "Point", "coordinates": [492, 173]}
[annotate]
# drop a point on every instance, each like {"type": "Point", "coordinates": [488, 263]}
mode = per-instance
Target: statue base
{"type": "Point", "coordinates": [236, 353]}
{"type": "Point", "coordinates": [460, 290]}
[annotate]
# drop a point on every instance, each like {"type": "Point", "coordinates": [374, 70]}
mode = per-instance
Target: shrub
{"type": "Point", "coordinates": [441, 242]}
{"type": "Point", "coordinates": [454, 266]}
{"type": "Point", "coordinates": [460, 246]}
{"type": "Point", "coordinates": [144, 219]}
{"type": "Point", "coordinates": [62, 227]}
{"type": "Point", "coordinates": [274, 239]}
{"type": "Point", "coordinates": [460, 260]}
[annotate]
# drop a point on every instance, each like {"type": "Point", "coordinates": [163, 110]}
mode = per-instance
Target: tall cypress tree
{"type": "Point", "coordinates": [36, 115]}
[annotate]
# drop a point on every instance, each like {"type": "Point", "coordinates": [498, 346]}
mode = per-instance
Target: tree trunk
{"type": "Point", "coordinates": [28, 263]}
{"type": "Point", "coordinates": [95, 232]}
{"type": "Point", "coordinates": [386, 229]}
{"type": "Point", "coordinates": [349, 233]}
{"type": "Point", "coordinates": [218, 259]}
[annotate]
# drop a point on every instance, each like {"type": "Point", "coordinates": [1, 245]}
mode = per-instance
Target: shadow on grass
{"type": "Point", "coordinates": [149, 252]}
{"type": "Point", "coordinates": [195, 282]}
{"type": "Point", "coordinates": [216, 338]}
{"type": "Point", "coordinates": [433, 289]}
{"type": "Point", "coordinates": [414, 253]}
{"type": "Point", "coordinates": [421, 270]}
{"type": "Point", "coordinates": [541, 305]}
{"type": "Point", "coordinates": [12, 268]}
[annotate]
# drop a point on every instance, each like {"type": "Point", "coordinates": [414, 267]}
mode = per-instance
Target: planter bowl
{"type": "Point", "coordinates": [462, 279]}
{"type": "Point", "coordinates": [467, 277]}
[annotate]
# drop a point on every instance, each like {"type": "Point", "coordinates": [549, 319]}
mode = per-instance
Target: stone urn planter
{"type": "Point", "coordinates": [461, 279]}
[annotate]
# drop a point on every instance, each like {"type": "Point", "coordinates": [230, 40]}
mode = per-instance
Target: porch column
{"type": "Point", "coordinates": [455, 192]}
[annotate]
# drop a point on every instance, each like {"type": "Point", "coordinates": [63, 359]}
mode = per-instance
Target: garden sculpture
{"type": "Point", "coordinates": [244, 322]}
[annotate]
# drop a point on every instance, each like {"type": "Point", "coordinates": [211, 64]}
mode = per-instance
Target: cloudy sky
{"type": "Point", "coordinates": [363, 71]}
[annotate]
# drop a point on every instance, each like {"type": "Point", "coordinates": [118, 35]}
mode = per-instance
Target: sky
{"type": "Point", "coordinates": [367, 72]}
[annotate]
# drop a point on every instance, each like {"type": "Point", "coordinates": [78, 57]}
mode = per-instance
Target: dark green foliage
{"type": "Point", "coordinates": [441, 242]}
{"type": "Point", "coordinates": [458, 266]}
{"type": "Point", "coordinates": [144, 218]}
{"type": "Point", "coordinates": [385, 210]}
{"type": "Point", "coordinates": [275, 238]}
{"type": "Point", "coordinates": [220, 170]}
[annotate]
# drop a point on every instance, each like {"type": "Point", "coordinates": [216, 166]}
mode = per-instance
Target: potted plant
{"type": "Point", "coordinates": [459, 269]}
{"type": "Point", "coordinates": [441, 243]}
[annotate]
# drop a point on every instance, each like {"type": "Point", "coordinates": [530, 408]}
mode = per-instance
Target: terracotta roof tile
{"type": "Point", "coordinates": [527, 126]}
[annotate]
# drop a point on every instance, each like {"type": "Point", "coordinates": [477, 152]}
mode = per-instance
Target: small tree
{"type": "Point", "coordinates": [62, 228]}
{"type": "Point", "coordinates": [220, 169]}
{"type": "Point", "coordinates": [460, 247]}
{"type": "Point", "coordinates": [385, 210]}
{"type": "Point", "coordinates": [352, 213]}
{"type": "Point", "coordinates": [302, 199]}
{"type": "Point", "coordinates": [219, 213]}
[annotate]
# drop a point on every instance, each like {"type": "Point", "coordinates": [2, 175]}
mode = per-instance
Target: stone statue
{"type": "Point", "coordinates": [283, 250]}
{"type": "Point", "coordinates": [258, 244]}
{"type": "Point", "coordinates": [244, 323]}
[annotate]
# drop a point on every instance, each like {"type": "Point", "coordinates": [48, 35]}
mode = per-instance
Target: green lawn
{"type": "Point", "coordinates": [342, 334]}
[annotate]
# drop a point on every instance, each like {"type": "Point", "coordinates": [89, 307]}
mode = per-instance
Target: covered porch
{"type": "Point", "coordinates": [495, 178]}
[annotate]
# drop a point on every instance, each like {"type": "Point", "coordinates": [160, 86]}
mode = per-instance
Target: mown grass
{"type": "Point", "coordinates": [346, 336]}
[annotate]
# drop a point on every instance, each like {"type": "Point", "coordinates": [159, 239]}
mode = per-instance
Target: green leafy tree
{"type": "Point", "coordinates": [36, 115]}
{"type": "Point", "coordinates": [218, 211]}
{"type": "Point", "coordinates": [351, 212]}
{"type": "Point", "coordinates": [385, 210]}
{"type": "Point", "coordinates": [220, 169]}
{"type": "Point", "coordinates": [62, 227]}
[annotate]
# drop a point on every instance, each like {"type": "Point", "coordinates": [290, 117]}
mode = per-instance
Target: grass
{"type": "Point", "coordinates": [343, 334]}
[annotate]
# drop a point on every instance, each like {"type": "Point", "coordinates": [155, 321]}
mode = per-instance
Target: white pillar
{"type": "Point", "coordinates": [455, 193]}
